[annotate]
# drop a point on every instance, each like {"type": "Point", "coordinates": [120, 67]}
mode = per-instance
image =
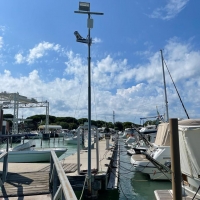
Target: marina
{"type": "Point", "coordinates": [59, 138]}
{"type": "Point", "coordinates": [33, 178]}
{"type": "Point", "coordinates": [131, 184]}
{"type": "Point", "coordinates": [89, 169]}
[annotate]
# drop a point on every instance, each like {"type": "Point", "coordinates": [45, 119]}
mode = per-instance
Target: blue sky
{"type": "Point", "coordinates": [40, 58]}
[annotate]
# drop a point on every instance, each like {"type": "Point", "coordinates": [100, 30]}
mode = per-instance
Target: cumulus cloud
{"type": "Point", "coordinates": [37, 52]}
{"type": "Point", "coordinates": [169, 11]}
{"type": "Point", "coordinates": [131, 91]}
{"type": "Point", "coordinates": [75, 64]}
{"type": "Point", "coordinates": [19, 58]}
{"type": "Point", "coordinates": [96, 40]}
{"type": "Point", "coordinates": [1, 42]}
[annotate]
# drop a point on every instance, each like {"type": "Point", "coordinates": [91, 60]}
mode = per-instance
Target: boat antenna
{"type": "Point", "coordinates": [177, 90]}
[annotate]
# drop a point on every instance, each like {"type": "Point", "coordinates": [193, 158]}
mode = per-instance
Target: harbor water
{"type": "Point", "coordinates": [132, 184]}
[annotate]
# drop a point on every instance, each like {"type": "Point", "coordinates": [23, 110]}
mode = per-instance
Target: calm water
{"type": "Point", "coordinates": [132, 185]}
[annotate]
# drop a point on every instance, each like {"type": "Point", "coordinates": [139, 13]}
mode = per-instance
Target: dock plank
{"type": "Point", "coordinates": [30, 179]}
{"type": "Point", "coordinates": [67, 167]}
{"type": "Point", "coordinates": [24, 184]}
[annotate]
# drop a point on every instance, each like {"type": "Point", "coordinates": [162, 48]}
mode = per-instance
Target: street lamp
{"type": "Point", "coordinates": [84, 8]}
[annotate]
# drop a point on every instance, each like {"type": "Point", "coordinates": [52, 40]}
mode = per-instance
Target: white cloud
{"type": "Point", "coordinates": [1, 42]}
{"type": "Point", "coordinates": [37, 52]}
{"type": "Point", "coordinates": [19, 58]}
{"type": "Point", "coordinates": [106, 72]}
{"type": "Point", "coordinates": [172, 8]}
{"type": "Point", "coordinates": [131, 91]}
{"type": "Point", "coordinates": [96, 40]}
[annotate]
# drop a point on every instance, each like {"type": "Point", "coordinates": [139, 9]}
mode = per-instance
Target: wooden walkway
{"type": "Point", "coordinates": [31, 183]}
{"type": "Point", "coordinates": [25, 184]}
{"type": "Point", "coordinates": [28, 180]}
{"type": "Point", "coordinates": [67, 167]}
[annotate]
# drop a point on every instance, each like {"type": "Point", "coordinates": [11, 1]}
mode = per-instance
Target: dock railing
{"type": "Point", "coordinates": [59, 183]}
{"type": "Point", "coordinates": [5, 167]}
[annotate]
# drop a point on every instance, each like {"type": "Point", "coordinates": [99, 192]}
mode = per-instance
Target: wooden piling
{"type": "Point", "coordinates": [175, 160]}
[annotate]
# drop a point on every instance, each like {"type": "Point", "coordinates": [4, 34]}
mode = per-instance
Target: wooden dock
{"type": "Point", "coordinates": [25, 184]}
{"type": "Point", "coordinates": [29, 180]}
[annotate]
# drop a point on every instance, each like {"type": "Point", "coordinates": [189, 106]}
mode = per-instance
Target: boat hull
{"type": "Point", "coordinates": [32, 156]}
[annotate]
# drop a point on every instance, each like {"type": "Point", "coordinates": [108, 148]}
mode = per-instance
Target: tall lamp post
{"type": "Point", "coordinates": [84, 8]}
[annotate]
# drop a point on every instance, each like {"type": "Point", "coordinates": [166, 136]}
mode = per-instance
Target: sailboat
{"type": "Point", "coordinates": [159, 152]}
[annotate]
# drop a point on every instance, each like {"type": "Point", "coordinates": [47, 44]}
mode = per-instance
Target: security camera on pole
{"type": "Point", "coordinates": [84, 8]}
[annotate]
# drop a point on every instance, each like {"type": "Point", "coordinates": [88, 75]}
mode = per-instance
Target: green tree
{"type": "Point", "coordinates": [82, 121]}
{"type": "Point", "coordinates": [119, 126]}
{"type": "Point", "coordinates": [72, 126]}
{"type": "Point", "coordinates": [94, 123]}
{"type": "Point", "coordinates": [150, 122]}
{"type": "Point", "coordinates": [71, 120]}
{"type": "Point", "coordinates": [64, 125]}
{"type": "Point", "coordinates": [110, 125]}
{"type": "Point", "coordinates": [100, 123]}
{"type": "Point", "coordinates": [106, 130]}
{"type": "Point", "coordinates": [127, 125]}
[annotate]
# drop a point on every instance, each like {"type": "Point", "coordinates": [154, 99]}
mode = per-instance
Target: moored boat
{"type": "Point", "coordinates": [159, 151]}
{"type": "Point", "coordinates": [27, 153]}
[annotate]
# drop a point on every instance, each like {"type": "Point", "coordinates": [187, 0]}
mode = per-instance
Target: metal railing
{"type": "Point", "coordinates": [59, 184]}
{"type": "Point", "coordinates": [4, 156]}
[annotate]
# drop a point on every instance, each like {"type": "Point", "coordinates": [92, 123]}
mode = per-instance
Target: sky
{"type": "Point", "coordinates": [40, 57]}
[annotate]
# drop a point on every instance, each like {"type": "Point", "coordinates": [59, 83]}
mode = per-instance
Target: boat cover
{"type": "Point", "coordinates": [189, 122]}
{"type": "Point", "coordinates": [163, 135]}
{"type": "Point", "coordinates": [189, 137]}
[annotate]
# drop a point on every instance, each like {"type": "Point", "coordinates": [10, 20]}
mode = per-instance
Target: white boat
{"type": "Point", "coordinates": [189, 137]}
{"type": "Point", "coordinates": [128, 132]}
{"type": "Point", "coordinates": [73, 140]}
{"type": "Point", "coordinates": [137, 147]}
{"type": "Point", "coordinates": [33, 135]}
{"type": "Point", "coordinates": [141, 145]}
{"type": "Point", "coordinates": [62, 132]}
{"type": "Point", "coordinates": [128, 142]}
{"type": "Point", "coordinates": [26, 153]}
{"type": "Point", "coordinates": [160, 151]}
{"type": "Point", "coordinates": [148, 129]}
{"type": "Point", "coordinates": [120, 133]}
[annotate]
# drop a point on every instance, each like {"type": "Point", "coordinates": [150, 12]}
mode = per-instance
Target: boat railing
{"type": "Point", "coordinates": [58, 176]}
{"type": "Point", "coordinates": [4, 156]}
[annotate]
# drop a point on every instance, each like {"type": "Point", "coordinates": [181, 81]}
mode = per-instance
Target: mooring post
{"type": "Point", "coordinates": [11, 142]}
{"type": "Point", "coordinates": [175, 160]}
{"type": "Point", "coordinates": [78, 150]}
{"type": "Point", "coordinates": [107, 137]}
{"type": "Point", "coordinates": [97, 149]}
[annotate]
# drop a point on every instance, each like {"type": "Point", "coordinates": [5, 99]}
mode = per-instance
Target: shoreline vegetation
{"type": "Point", "coordinates": [70, 122]}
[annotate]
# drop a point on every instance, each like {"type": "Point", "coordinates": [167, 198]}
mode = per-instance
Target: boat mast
{"type": "Point", "coordinates": [166, 102]}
